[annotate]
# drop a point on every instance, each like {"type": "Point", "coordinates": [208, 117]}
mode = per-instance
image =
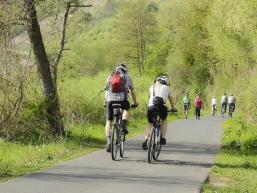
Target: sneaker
{"type": "Point", "coordinates": [163, 141]}
{"type": "Point", "coordinates": [108, 147]}
{"type": "Point", "coordinates": [144, 145]}
{"type": "Point", "coordinates": [125, 130]}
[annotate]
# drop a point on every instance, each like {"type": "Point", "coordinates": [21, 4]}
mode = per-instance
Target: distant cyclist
{"type": "Point", "coordinates": [159, 93]}
{"type": "Point", "coordinates": [214, 105]}
{"type": "Point", "coordinates": [198, 106]}
{"type": "Point", "coordinates": [231, 103]}
{"type": "Point", "coordinates": [224, 103]}
{"type": "Point", "coordinates": [118, 86]}
{"type": "Point", "coordinates": [186, 104]}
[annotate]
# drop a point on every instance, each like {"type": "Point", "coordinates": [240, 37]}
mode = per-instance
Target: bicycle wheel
{"type": "Point", "coordinates": [151, 145]}
{"type": "Point", "coordinates": [157, 144]}
{"type": "Point", "coordinates": [114, 142]}
{"type": "Point", "coordinates": [122, 143]}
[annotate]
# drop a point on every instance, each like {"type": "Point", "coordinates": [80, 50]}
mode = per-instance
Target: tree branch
{"type": "Point", "coordinates": [62, 43]}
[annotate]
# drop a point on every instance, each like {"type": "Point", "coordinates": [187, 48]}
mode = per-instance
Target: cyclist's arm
{"type": "Point", "coordinates": [171, 100]}
{"type": "Point", "coordinates": [132, 90]}
{"type": "Point", "coordinates": [133, 94]}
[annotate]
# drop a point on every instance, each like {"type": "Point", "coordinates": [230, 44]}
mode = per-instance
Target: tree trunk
{"type": "Point", "coordinates": [49, 89]}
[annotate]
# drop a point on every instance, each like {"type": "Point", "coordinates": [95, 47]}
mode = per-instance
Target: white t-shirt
{"type": "Point", "coordinates": [214, 101]}
{"type": "Point", "coordinates": [160, 90]}
{"type": "Point", "coordinates": [231, 99]}
{"type": "Point", "coordinates": [224, 99]}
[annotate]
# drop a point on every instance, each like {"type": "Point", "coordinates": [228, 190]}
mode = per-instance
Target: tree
{"type": "Point", "coordinates": [137, 30]}
{"type": "Point", "coordinates": [49, 89]}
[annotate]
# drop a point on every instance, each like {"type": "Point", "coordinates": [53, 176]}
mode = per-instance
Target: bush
{"type": "Point", "coordinates": [30, 126]}
{"type": "Point", "coordinates": [238, 135]}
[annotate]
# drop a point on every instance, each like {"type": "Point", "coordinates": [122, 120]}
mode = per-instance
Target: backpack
{"type": "Point", "coordinates": [117, 82]}
{"type": "Point", "coordinates": [157, 101]}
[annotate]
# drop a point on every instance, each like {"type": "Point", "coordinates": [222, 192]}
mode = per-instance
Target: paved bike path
{"type": "Point", "coordinates": [183, 166]}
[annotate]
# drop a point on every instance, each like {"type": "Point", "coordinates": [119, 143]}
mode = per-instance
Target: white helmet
{"type": "Point", "coordinates": [163, 80]}
{"type": "Point", "coordinates": [122, 67]}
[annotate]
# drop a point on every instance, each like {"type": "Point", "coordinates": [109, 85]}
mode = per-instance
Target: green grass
{"type": "Point", "coordinates": [235, 170]}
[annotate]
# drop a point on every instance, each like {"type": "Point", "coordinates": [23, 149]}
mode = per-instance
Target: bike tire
{"type": "Point", "coordinates": [114, 142]}
{"type": "Point", "coordinates": [157, 146]}
{"type": "Point", "coordinates": [151, 146]}
{"type": "Point", "coordinates": [122, 144]}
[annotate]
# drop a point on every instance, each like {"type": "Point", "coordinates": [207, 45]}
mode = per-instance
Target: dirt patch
{"type": "Point", "coordinates": [219, 181]}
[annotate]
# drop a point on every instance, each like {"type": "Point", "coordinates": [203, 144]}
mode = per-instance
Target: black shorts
{"type": "Point", "coordinates": [125, 105]}
{"type": "Point", "coordinates": [232, 106]}
{"type": "Point", "coordinates": [186, 107]}
{"type": "Point", "coordinates": [161, 111]}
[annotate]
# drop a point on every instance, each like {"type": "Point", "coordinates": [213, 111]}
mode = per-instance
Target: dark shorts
{"type": "Point", "coordinates": [232, 106]}
{"type": "Point", "coordinates": [161, 111]}
{"type": "Point", "coordinates": [186, 107]}
{"type": "Point", "coordinates": [125, 105]}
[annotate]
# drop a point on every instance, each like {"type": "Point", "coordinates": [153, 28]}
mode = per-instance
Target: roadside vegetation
{"type": "Point", "coordinates": [236, 165]}
{"type": "Point", "coordinates": [206, 47]}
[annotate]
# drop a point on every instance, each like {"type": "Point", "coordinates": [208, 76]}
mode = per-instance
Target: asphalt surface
{"type": "Point", "coordinates": [183, 166]}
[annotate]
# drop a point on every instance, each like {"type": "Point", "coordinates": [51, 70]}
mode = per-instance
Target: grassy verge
{"type": "Point", "coordinates": [235, 170]}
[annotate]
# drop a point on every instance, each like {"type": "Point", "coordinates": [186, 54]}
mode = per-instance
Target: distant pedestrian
{"type": "Point", "coordinates": [198, 106]}
{"type": "Point", "coordinates": [214, 105]}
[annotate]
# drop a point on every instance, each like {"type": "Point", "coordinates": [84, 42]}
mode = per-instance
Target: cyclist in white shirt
{"type": "Point", "coordinates": [159, 93]}
{"type": "Point", "coordinates": [232, 102]}
{"type": "Point", "coordinates": [214, 104]}
{"type": "Point", "coordinates": [224, 102]}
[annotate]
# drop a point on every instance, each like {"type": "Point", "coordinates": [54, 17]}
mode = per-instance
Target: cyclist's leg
{"type": "Point", "coordinates": [150, 115]}
{"type": "Point", "coordinates": [151, 110]}
{"type": "Point", "coordinates": [164, 123]}
{"type": "Point", "coordinates": [125, 116]}
{"type": "Point", "coordinates": [108, 125]}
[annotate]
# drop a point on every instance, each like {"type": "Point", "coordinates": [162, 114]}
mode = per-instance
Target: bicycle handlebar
{"type": "Point", "coordinates": [133, 106]}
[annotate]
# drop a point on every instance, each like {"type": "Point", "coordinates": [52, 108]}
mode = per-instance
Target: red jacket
{"type": "Point", "coordinates": [198, 102]}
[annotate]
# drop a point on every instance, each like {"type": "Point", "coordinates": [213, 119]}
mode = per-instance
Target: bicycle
{"type": "Point", "coordinates": [154, 144]}
{"type": "Point", "coordinates": [118, 135]}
